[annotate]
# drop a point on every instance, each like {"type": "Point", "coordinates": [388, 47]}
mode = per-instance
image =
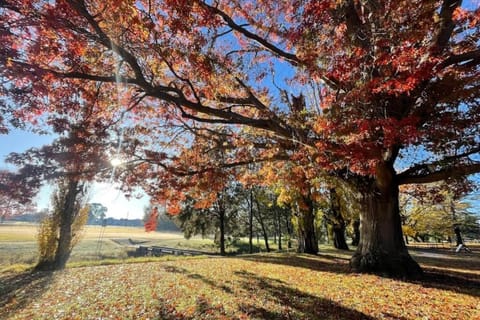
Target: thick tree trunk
{"type": "Point", "coordinates": [356, 233]}
{"type": "Point", "coordinates": [382, 249]}
{"type": "Point", "coordinates": [307, 239]}
{"type": "Point", "coordinates": [64, 248]}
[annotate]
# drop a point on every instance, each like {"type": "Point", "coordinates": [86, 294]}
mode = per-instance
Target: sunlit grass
{"type": "Point", "coordinates": [265, 286]}
{"type": "Point", "coordinates": [104, 282]}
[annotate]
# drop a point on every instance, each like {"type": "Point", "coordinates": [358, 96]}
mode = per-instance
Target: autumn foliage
{"type": "Point", "coordinates": [152, 221]}
{"type": "Point", "coordinates": [369, 92]}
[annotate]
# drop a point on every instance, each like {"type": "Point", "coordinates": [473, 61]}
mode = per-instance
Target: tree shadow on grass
{"type": "Point", "coordinates": [197, 276]}
{"type": "Point", "coordinates": [273, 299]}
{"type": "Point", "coordinates": [439, 270]}
{"type": "Point", "coordinates": [435, 273]}
{"type": "Point", "coordinates": [327, 263]}
{"type": "Point", "coordinates": [17, 290]}
{"type": "Point", "coordinates": [203, 309]}
{"type": "Point", "coordinates": [449, 280]}
{"type": "Point", "coordinates": [290, 303]}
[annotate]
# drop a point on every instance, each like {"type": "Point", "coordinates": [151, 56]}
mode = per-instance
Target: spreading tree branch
{"type": "Point", "coordinates": [449, 167]}
{"type": "Point", "coordinates": [446, 23]}
{"type": "Point", "coordinates": [290, 57]}
{"type": "Point", "coordinates": [450, 172]}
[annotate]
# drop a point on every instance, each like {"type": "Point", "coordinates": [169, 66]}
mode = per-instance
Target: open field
{"type": "Point", "coordinates": [27, 232]}
{"type": "Point", "coordinates": [18, 244]}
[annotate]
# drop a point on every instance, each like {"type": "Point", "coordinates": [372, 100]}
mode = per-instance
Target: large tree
{"type": "Point", "coordinates": [383, 77]}
{"type": "Point", "coordinates": [60, 231]}
{"type": "Point", "coordinates": [80, 153]}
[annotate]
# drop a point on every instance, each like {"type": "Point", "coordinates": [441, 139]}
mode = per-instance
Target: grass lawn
{"type": "Point", "coordinates": [263, 286]}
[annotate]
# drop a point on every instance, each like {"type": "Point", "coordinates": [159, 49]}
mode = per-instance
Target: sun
{"type": "Point", "coordinates": [115, 162]}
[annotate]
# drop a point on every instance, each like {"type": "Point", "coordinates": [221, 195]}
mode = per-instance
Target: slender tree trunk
{"type": "Point", "coordinates": [289, 231]}
{"type": "Point", "coordinates": [338, 224]}
{"type": "Point", "coordinates": [382, 249]}
{"type": "Point", "coordinates": [307, 239]}
{"type": "Point", "coordinates": [250, 224]}
{"type": "Point", "coordinates": [262, 225]}
{"type": "Point", "coordinates": [356, 232]}
{"type": "Point", "coordinates": [221, 218]}
{"type": "Point", "coordinates": [265, 237]}
{"type": "Point", "coordinates": [279, 229]}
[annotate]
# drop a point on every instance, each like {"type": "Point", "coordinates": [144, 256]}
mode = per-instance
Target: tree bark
{"type": "Point", "coordinates": [339, 240]}
{"type": "Point", "coordinates": [64, 248]}
{"type": "Point", "coordinates": [288, 225]}
{"type": "Point", "coordinates": [338, 224]}
{"type": "Point", "coordinates": [356, 233]}
{"type": "Point", "coordinates": [262, 225]}
{"type": "Point", "coordinates": [221, 218]}
{"type": "Point", "coordinates": [279, 229]}
{"type": "Point", "coordinates": [382, 249]}
{"type": "Point", "coordinates": [250, 224]}
{"type": "Point", "coordinates": [307, 239]}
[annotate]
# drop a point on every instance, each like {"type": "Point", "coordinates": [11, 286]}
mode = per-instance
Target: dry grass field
{"type": "Point", "coordinates": [18, 244]}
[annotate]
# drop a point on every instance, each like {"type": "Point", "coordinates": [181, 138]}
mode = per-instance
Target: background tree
{"type": "Point", "coordinates": [97, 213]}
{"type": "Point", "coordinates": [335, 218]}
{"type": "Point", "coordinates": [436, 213]}
{"type": "Point", "coordinates": [220, 219]}
{"type": "Point", "coordinates": [157, 219]}
{"type": "Point", "coordinates": [389, 79]}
